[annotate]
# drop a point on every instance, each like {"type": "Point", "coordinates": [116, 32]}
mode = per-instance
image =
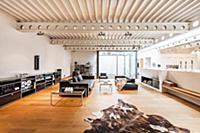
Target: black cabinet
{"type": "Point", "coordinates": [27, 85]}
{"type": "Point", "coordinates": [49, 79]}
{"type": "Point", "coordinates": [10, 90]}
{"type": "Point", "coordinates": [40, 82]}
{"type": "Point", "coordinates": [57, 76]}
{"type": "Point", "coordinates": [15, 88]}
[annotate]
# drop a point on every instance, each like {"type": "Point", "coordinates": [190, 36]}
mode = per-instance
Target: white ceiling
{"type": "Point", "coordinates": [103, 12]}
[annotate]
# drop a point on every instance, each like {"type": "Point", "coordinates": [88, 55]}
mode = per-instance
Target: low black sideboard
{"type": "Point", "coordinates": [12, 89]}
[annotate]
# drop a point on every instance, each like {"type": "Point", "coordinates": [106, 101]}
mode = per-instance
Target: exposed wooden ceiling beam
{"type": "Point", "coordinates": [109, 40]}
{"type": "Point", "coordinates": [97, 27]}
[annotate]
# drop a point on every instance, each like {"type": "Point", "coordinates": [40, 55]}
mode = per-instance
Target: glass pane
{"type": "Point", "coordinates": [118, 63]}
{"type": "Point", "coordinates": [127, 65]}
{"type": "Point", "coordinates": [133, 65]}
{"type": "Point", "coordinates": [121, 66]}
{"type": "Point", "coordinates": [107, 64]}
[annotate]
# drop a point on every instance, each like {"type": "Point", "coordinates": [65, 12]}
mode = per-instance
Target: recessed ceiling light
{"type": "Point", "coordinates": [128, 27]}
{"type": "Point", "coordinates": [171, 34]}
{"type": "Point", "coordinates": [39, 26]}
{"type": "Point", "coordinates": [195, 23]}
{"type": "Point", "coordinates": [21, 27]}
{"type": "Point", "coordinates": [84, 27]}
{"type": "Point", "coordinates": [65, 27]}
{"type": "Point", "coordinates": [30, 27]}
{"type": "Point", "coordinates": [75, 27]}
{"type": "Point", "coordinates": [110, 27]}
{"type": "Point", "coordinates": [146, 27]}
{"type": "Point", "coordinates": [137, 27]}
{"type": "Point", "coordinates": [182, 27]}
{"type": "Point", "coordinates": [164, 27]}
{"type": "Point", "coordinates": [119, 27]}
{"type": "Point", "coordinates": [163, 37]}
{"type": "Point", "coordinates": [93, 27]}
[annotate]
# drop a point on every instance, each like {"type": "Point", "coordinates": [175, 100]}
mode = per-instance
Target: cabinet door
{"type": "Point", "coordinates": [9, 98]}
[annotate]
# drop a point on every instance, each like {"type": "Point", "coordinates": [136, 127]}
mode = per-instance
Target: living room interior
{"type": "Point", "coordinates": [100, 66]}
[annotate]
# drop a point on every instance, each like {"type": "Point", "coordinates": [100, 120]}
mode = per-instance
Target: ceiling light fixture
{"type": "Point", "coordinates": [84, 27]}
{"type": "Point", "coordinates": [102, 27]}
{"type": "Point", "coordinates": [74, 27]}
{"type": "Point", "coordinates": [93, 27]}
{"type": "Point", "coordinates": [40, 33]}
{"type": "Point", "coordinates": [156, 40]}
{"type": "Point", "coordinates": [128, 34]}
{"type": "Point", "coordinates": [119, 27]}
{"type": "Point", "coordinates": [171, 34]}
{"type": "Point", "coordinates": [101, 34]}
{"type": "Point", "coordinates": [195, 23]}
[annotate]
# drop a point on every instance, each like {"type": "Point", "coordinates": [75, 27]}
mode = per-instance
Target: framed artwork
{"type": "Point", "coordinates": [36, 62]}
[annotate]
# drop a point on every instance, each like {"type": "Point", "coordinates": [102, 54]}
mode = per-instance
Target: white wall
{"type": "Point", "coordinates": [82, 57]}
{"type": "Point", "coordinates": [167, 59]}
{"type": "Point", "coordinates": [17, 52]}
{"type": "Point", "coordinates": [187, 80]}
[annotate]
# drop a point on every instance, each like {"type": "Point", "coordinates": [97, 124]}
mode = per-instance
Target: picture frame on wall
{"type": "Point", "coordinates": [36, 62]}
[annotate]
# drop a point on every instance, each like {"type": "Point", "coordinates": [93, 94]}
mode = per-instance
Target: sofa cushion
{"type": "Point", "coordinates": [80, 78]}
{"type": "Point", "coordinates": [75, 79]}
{"type": "Point", "coordinates": [130, 86]}
{"type": "Point", "coordinates": [89, 82]}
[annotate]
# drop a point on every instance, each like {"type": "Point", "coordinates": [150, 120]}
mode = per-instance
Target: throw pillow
{"type": "Point", "coordinates": [80, 78]}
{"type": "Point", "coordinates": [75, 79]}
{"type": "Point", "coordinates": [120, 84]}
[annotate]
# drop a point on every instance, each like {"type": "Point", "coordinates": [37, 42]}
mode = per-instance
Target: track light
{"type": "Point", "coordinates": [101, 34]}
{"type": "Point", "coordinates": [40, 33]}
{"type": "Point", "coordinates": [128, 34]}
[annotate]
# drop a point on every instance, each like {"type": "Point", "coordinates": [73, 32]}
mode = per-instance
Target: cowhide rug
{"type": "Point", "coordinates": [126, 118]}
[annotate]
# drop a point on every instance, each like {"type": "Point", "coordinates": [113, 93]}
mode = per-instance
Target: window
{"type": "Point", "coordinates": [118, 63]}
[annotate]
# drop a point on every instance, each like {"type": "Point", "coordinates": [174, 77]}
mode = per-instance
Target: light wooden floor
{"type": "Point", "coordinates": [34, 114]}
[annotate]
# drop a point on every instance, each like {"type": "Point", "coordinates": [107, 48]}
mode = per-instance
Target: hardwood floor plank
{"type": "Point", "coordinates": [34, 114]}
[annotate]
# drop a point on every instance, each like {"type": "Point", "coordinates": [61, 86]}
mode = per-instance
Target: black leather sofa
{"type": "Point", "coordinates": [87, 83]}
{"type": "Point", "coordinates": [130, 84]}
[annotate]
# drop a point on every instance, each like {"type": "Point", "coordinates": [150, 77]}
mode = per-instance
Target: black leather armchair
{"type": "Point", "coordinates": [130, 84]}
{"type": "Point", "coordinates": [103, 76]}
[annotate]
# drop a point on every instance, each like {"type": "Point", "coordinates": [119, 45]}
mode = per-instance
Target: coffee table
{"type": "Point", "coordinates": [105, 83]}
{"type": "Point", "coordinates": [67, 93]}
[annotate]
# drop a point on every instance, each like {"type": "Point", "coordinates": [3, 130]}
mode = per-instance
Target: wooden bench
{"type": "Point", "coordinates": [186, 94]}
